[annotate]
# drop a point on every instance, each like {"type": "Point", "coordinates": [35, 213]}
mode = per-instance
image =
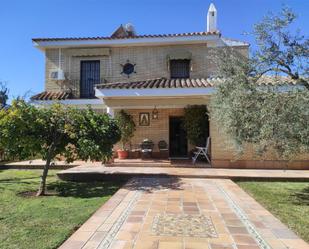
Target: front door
{"type": "Point", "coordinates": [89, 77]}
{"type": "Point", "coordinates": [178, 138]}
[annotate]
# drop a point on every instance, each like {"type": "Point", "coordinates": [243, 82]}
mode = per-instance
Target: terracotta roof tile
{"type": "Point", "coordinates": [160, 83]}
{"type": "Point", "coordinates": [49, 95]}
{"type": "Point", "coordinates": [276, 80]}
{"type": "Point", "coordinates": [130, 37]}
{"type": "Point", "coordinates": [190, 83]}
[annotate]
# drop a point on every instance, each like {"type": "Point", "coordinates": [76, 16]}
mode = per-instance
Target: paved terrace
{"type": "Point", "coordinates": [182, 213]}
{"type": "Point", "coordinates": [98, 172]}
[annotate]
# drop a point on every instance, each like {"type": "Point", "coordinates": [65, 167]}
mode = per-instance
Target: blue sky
{"type": "Point", "coordinates": [22, 65]}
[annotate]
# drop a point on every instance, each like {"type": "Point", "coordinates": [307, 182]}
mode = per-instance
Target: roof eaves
{"type": "Point", "coordinates": [122, 38]}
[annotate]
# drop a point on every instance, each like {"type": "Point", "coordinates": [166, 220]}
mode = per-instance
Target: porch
{"type": "Point", "coordinates": [157, 163]}
{"type": "Point", "coordinates": [157, 108]}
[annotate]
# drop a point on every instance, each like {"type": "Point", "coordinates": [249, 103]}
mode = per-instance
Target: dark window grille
{"type": "Point", "coordinates": [180, 69]}
{"type": "Point", "coordinates": [89, 77]}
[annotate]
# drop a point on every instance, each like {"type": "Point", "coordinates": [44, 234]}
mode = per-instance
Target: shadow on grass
{"type": "Point", "coordinates": [84, 189]}
{"type": "Point", "coordinates": [301, 197]}
{"type": "Point", "coordinates": [18, 180]}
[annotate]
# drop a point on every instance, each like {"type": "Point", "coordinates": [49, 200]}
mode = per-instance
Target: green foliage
{"type": "Point", "coordinates": [26, 130]}
{"type": "Point", "coordinates": [96, 134]}
{"type": "Point", "coordinates": [279, 50]}
{"type": "Point", "coordinates": [268, 117]}
{"type": "Point", "coordinates": [126, 125]}
{"type": "Point", "coordinates": [3, 95]}
{"type": "Point", "coordinates": [196, 124]}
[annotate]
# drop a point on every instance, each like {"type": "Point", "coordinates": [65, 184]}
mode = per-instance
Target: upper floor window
{"type": "Point", "coordinates": [89, 77]}
{"type": "Point", "coordinates": [180, 68]}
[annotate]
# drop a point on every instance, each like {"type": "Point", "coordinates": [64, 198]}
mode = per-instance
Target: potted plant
{"type": "Point", "coordinates": [127, 127]}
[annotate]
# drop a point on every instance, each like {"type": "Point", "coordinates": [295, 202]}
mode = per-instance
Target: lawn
{"type": "Point", "coordinates": [45, 222]}
{"type": "Point", "coordinates": [288, 201]}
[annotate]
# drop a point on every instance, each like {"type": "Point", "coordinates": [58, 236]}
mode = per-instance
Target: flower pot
{"type": "Point", "coordinates": [122, 154]}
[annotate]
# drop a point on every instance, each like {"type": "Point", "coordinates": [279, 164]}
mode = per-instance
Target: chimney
{"type": "Point", "coordinates": [212, 18]}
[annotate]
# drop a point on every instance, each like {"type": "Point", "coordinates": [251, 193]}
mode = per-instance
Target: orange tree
{"type": "Point", "coordinates": [26, 130]}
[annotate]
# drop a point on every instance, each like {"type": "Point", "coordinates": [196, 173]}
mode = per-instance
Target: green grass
{"type": "Point", "coordinates": [288, 201]}
{"type": "Point", "coordinates": [45, 222]}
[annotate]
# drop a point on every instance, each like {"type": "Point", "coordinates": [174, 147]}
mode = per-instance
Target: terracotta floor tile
{"type": "Point", "coordinates": [235, 222]}
{"type": "Point", "coordinates": [237, 230]}
{"type": "Point", "coordinates": [170, 245]}
{"type": "Point", "coordinates": [137, 227]}
{"type": "Point", "coordinates": [91, 245]}
{"type": "Point", "coordinates": [118, 244]}
{"type": "Point", "coordinates": [81, 236]}
{"type": "Point", "coordinates": [105, 227]}
{"type": "Point", "coordinates": [220, 246]}
{"type": "Point", "coordinates": [133, 227]}
{"type": "Point", "coordinates": [98, 236]}
{"type": "Point", "coordinates": [284, 234]}
{"type": "Point", "coordinates": [244, 240]}
{"type": "Point", "coordinates": [146, 244]}
{"type": "Point", "coordinates": [69, 244]}
{"type": "Point", "coordinates": [141, 213]}
{"type": "Point", "coordinates": [90, 226]}
{"type": "Point", "coordinates": [276, 244]}
{"type": "Point", "coordinates": [295, 243]}
{"type": "Point", "coordinates": [126, 236]}
{"type": "Point", "coordinates": [247, 247]}
{"type": "Point", "coordinates": [134, 219]}
{"type": "Point", "coordinates": [196, 245]}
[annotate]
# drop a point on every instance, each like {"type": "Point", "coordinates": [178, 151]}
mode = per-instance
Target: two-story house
{"type": "Point", "coordinates": [152, 77]}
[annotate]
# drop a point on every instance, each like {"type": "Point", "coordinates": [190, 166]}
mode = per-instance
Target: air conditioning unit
{"type": "Point", "coordinates": [57, 75]}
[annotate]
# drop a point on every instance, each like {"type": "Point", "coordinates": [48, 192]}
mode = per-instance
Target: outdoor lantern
{"type": "Point", "coordinates": [155, 113]}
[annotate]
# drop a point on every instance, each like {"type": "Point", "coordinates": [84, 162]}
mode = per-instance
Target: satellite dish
{"type": "Point", "coordinates": [130, 29]}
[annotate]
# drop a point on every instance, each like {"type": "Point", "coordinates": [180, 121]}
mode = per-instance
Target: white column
{"type": "Point", "coordinates": [110, 111]}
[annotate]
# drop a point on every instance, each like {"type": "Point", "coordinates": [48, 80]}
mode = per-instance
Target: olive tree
{"type": "Point", "coordinates": [3, 95]}
{"type": "Point", "coordinates": [56, 131]}
{"type": "Point", "coordinates": [271, 117]}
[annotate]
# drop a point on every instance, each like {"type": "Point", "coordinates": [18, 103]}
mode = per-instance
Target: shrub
{"type": "Point", "coordinates": [196, 124]}
{"type": "Point", "coordinates": [127, 127]}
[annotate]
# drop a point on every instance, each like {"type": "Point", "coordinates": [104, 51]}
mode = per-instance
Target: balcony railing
{"type": "Point", "coordinates": [81, 91]}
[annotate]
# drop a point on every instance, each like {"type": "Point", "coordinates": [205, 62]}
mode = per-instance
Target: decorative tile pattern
{"type": "Point", "coordinates": [183, 225]}
{"type": "Point", "coordinates": [109, 237]}
{"type": "Point", "coordinates": [244, 219]}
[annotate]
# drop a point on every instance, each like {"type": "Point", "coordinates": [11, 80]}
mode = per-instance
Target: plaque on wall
{"type": "Point", "coordinates": [144, 119]}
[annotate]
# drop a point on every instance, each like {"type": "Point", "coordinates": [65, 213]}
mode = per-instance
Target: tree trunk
{"type": "Point", "coordinates": [42, 187]}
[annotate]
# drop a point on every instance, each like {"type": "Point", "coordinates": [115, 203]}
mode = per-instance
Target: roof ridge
{"type": "Point", "coordinates": [200, 33]}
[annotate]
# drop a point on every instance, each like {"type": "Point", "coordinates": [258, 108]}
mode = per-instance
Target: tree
{"type": "Point", "coordinates": [279, 50]}
{"type": "Point", "coordinates": [3, 95]}
{"type": "Point", "coordinates": [127, 126]}
{"type": "Point", "coordinates": [26, 130]}
{"type": "Point", "coordinates": [196, 124]}
{"type": "Point", "coordinates": [269, 117]}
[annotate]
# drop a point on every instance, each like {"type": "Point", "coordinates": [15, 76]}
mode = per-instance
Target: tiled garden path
{"type": "Point", "coordinates": [184, 213]}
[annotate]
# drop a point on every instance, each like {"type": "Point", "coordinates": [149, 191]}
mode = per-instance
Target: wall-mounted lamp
{"type": "Point", "coordinates": [155, 113]}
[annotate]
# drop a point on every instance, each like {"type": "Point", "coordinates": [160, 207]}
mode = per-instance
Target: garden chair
{"type": "Point", "coordinates": [146, 148]}
{"type": "Point", "coordinates": [202, 151]}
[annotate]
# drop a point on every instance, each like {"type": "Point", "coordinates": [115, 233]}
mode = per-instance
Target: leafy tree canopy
{"type": "Point", "coordinates": [26, 130]}
{"type": "Point", "coordinates": [271, 118]}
